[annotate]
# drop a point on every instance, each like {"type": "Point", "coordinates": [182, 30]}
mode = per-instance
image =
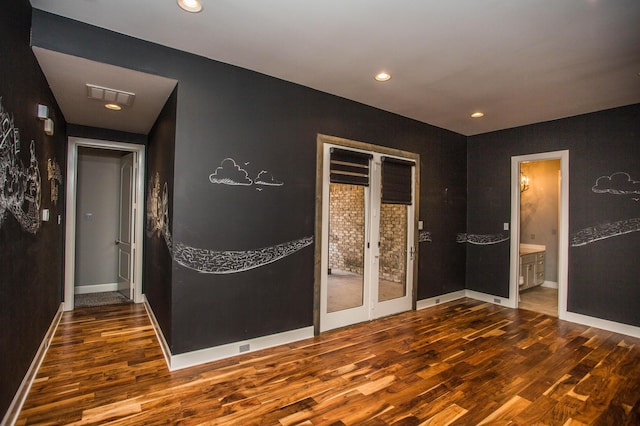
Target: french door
{"type": "Point", "coordinates": [367, 236]}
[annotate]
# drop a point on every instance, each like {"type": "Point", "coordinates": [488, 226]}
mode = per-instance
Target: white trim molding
{"type": "Point", "coordinates": [11, 416]}
{"type": "Point", "coordinates": [550, 284]}
{"type": "Point", "coordinates": [95, 288]}
{"type": "Point", "coordinates": [437, 300]}
{"type": "Point", "coordinates": [202, 356]}
{"type": "Point", "coordinates": [616, 327]}
{"type": "Point", "coordinates": [563, 228]}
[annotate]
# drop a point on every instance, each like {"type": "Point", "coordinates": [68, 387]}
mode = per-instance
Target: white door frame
{"type": "Point", "coordinates": [563, 230]}
{"type": "Point", "coordinates": [71, 203]}
{"type": "Point", "coordinates": [322, 218]}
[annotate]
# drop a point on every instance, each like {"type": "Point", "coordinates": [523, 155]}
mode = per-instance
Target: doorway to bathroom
{"type": "Point", "coordinates": [539, 243]}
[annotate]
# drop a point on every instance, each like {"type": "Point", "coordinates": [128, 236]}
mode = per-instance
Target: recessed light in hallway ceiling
{"type": "Point", "coordinates": [193, 6]}
{"type": "Point", "coordinates": [477, 114]}
{"type": "Point", "coordinates": [383, 76]}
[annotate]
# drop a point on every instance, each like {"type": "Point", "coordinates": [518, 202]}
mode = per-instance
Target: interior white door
{"type": "Point", "coordinates": [374, 278]}
{"type": "Point", "coordinates": [393, 251]}
{"type": "Point", "coordinates": [125, 230]}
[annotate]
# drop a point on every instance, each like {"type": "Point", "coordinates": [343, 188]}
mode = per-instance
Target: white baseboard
{"type": "Point", "coordinates": [550, 284]}
{"type": "Point", "coordinates": [202, 356]}
{"type": "Point", "coordinates": [484, 297]}
{"type": "Point", "coordinates": [189, 359]}
{"type": "Point", "coordinates": [616, 327]}
{"type": "Point", "coordinates": [432, 301]}
{"type": "Point", "coordinates": [166, 351]}
{"type": "Point", "coordinates": [11, 416]}
{"type": "Point", "coordinates": [604, 324]}
{"type": "Point", "coordinates": [95, 288]}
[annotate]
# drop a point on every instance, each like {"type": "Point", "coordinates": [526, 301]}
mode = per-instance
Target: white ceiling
{"type": "Point", "coordinates": [68, 75]}
{"type": "Point", "coordinates": [518, 61]}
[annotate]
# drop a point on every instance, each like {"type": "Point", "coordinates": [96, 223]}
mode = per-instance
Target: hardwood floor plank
{"type": "Point", "coordinates": [460, 363]}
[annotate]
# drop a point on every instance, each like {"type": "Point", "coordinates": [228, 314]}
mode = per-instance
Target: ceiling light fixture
{"type": "Point", "coordinates": [193, 6]}
{"type": "Point", "coordinates": [477, 114]}
{"type": "Point", "coordinates": [383, 76]}
{"type": "Point", "coordinates": [113, 107]}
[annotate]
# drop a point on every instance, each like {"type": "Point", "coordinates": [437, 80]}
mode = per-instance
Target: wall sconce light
{"type": "Point", "coordinates": [524, 182]}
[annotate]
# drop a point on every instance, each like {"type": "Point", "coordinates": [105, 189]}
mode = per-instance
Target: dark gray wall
{"type": "Point", "coordinates": [105, 134]}
{"type": "Point", "coordinates": [266, 124]}
{"type": "Point", "coordinates": [158, 265]}
{"type": "Point", "coordinates": [30, 264]}
{"type": "Point", "coordinates": [603, 274]}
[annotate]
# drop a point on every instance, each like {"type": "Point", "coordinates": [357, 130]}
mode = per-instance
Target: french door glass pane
{"type": "Point", "coordinates": [392, 274]}
{"type": "Point", "coordinates": [345, 280]}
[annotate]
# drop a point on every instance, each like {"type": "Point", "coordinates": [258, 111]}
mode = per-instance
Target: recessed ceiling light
{"type": "Point", "coordinates": [193, 6]}
{"type": "Point", "coordinates": [113, 107]}
{"type": "Point", "coordinates": [383, 76]}
{"type": "Point", "coordinates": [477, 114]}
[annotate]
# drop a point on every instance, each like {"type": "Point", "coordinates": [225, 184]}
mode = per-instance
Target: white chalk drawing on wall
{"type": "Point", "coordinates": [20, 187]}
{"type": "Point", "coordinates": [158, 211]}
{"type": "Point", "coordinates": [54, 174]}
{"type": "Point", "coordinates": [230, 173]}
{"type": "Point", "coordinates": [601, 232]}
{"type": "Point", "coordinates": [424, 237]}
{"type": "Point", "coordinates": [204, 260]}
{"type": "Point", "coordinates": [266, 178]}
{"type": "Point", "coordinates": [619, 183]}
{"type": "Point", "coordinates": [228, 262]}
{"type": "Point", "coordinates": [481, 239]}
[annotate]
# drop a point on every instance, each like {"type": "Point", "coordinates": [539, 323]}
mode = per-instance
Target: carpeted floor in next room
{"type": "Point", "coordinates": [99, 299]}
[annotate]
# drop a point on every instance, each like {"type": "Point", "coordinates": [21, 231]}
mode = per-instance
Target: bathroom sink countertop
{"type": "Point", "coordinates": [528, 250]}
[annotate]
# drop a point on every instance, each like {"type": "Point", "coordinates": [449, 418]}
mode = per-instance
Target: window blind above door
{"type": "Point", "coordinates": [350, 167]}
{"type": "Point", "coordinates": [396, 181]}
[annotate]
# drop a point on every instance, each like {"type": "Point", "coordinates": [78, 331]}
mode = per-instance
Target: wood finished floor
{"type": "Point", "coordinates": [540, 299]}
{"type": "Point", "coordinates": [460, 363]}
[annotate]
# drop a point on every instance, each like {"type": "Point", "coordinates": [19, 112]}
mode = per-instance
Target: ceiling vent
{"type": "Point", "coordinates": [105, 94]}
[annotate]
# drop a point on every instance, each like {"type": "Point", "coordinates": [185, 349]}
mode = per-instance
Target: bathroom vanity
{"type": "Point", "coordinates": [531, 265]}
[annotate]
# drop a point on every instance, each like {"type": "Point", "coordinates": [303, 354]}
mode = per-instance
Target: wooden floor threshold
{"type": "Point", "coordinates": [459, 363]}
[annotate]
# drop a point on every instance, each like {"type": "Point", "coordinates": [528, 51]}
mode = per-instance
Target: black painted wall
{"type": "Point", "coordinates": [30, 264]}
{"type": "Point", "coordinates": [603, 275]}
{"type": "Point", "coordinates": [89, 132]}
{"type": "Point", "coordinates": [157, 280]}
{"type": "Point", "coordinates": [263, 123]}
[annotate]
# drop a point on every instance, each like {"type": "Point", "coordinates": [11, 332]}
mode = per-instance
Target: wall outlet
{"type": "Point", "coordinates": [244, 348]}
{"type": "Point", "coordinates": [505, 226]}
{"type": "Point", "coordinates": [437, 301]}
{"type": "Point", "coordinates": [533, 236]}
